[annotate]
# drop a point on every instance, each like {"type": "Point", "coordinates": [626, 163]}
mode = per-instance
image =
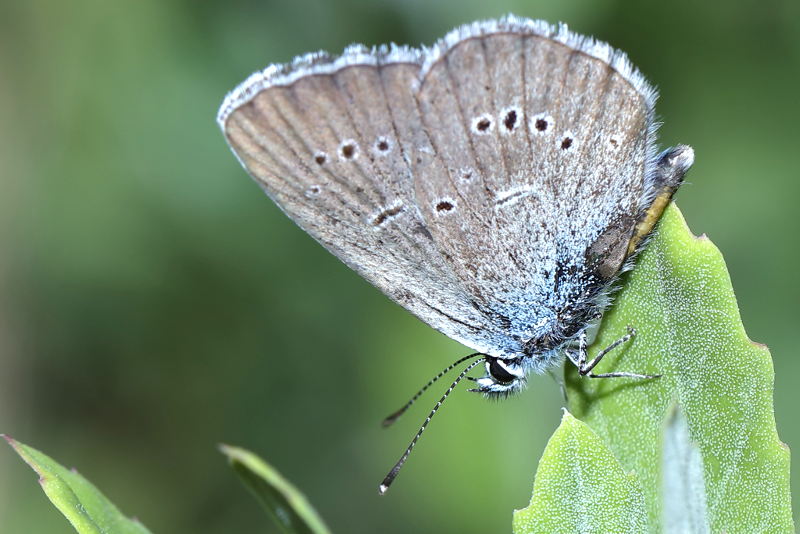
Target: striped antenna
{"type": "Point", "coordinates": [384, 487]}
{"type": "Point", "coordinates": [394, 416]}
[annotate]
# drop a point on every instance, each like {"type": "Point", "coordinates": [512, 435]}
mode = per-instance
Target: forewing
{"type": "Point", "coordinates": [332, 143]}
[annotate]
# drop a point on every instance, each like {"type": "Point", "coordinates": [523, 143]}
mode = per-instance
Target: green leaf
{"type": "Point", "coordinates": [80, 501]}
{"type": "Point", "coordinates": [581, 487]}
{"type": "Point", "coordinates": [287, 506]}
{"type": "Point", "coordinates": [684, 486]}
{"type": "Point", "coordinates": [680, 301]}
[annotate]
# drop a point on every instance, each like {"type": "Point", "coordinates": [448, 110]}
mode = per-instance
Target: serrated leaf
{"type": "Point", "coordinates": [88, 510]}
{"type": "Point", "coordinates": [684, 486]}
{"type": "Point", "coordinates": [581, 487]}
{"type": "Point", "coordinates": [680, 301]}
{"type": "Point", "coordinates": [288, 507]}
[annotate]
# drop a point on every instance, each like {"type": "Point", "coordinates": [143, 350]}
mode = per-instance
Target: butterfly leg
{"type": "Point", "coordinates": [585, 368]}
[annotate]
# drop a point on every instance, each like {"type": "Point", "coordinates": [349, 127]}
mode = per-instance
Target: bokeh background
{"type": "Point", "coordinates": [154, 303]}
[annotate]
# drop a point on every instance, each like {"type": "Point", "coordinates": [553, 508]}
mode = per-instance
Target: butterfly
{"type": "Point", "coordinates": [495, 184]}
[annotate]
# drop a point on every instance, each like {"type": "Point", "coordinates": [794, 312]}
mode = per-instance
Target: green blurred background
{"type": "Point", "coordinates": [155, 303]}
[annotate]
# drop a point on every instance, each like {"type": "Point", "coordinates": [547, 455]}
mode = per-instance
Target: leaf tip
{"type": "Point", "coordinates": [233, 454]}
{"type": "Point", "coordinates": [567, 419]}
{"type": "Point", "coordinates": [21, 449]}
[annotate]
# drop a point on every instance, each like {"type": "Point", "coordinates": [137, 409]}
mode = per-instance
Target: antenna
{"type": "Point", "coordinates": [394, 416]}
{"type": "Point", "coordinates": [384, 487]}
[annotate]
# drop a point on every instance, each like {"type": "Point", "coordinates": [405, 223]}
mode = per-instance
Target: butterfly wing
{"type": "Point", "coordinates": [332, 143]}
{"type": "Point", "coordinates": [444, 176]}
{"type": "Point", "coordinates": [547, 138]}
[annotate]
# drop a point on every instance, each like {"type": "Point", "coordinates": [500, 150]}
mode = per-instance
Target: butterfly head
{"type": "Point", "coordinates": [504, 376]}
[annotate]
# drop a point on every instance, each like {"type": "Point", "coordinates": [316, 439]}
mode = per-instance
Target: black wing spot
{"type": "Point", "coordinates": [541, 124]}
{"type": "Point", "coordinates": [566, 143]}
{"type": "Point", "coordinates": [348, 150]}
{"type": "Point", "coordinates": [444, 205]}
{"type": "Point", "coordinates": [386, 214]}
{"type": "Point", "coordinates": [511, 120]}
{"type": "Point", "coordinates": [483, 124]}
{"type": "Point", "coordinates": [321, 158]}
{"type": "Point", "coordinates": [382, 145]}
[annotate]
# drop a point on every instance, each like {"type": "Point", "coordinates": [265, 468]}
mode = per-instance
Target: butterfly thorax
{"type": "Point", "coordinates": [555, 332]}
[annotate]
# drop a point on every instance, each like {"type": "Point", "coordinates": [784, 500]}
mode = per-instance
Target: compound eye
{"type": "Point", "coordinates": [499, 372]}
